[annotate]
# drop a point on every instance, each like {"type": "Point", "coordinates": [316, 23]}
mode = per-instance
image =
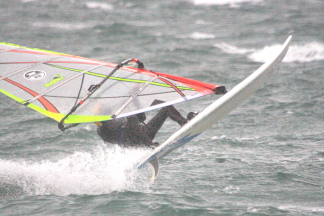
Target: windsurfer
{"type": "Point", "coordinates": [133, 132]}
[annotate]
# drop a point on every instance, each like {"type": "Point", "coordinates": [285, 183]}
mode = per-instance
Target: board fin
{"type": "Point", "coordinates": [155, 165]}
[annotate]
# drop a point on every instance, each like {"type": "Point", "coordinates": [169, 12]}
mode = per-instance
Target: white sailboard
{"type": "Point", "coordinates": [216, 111]}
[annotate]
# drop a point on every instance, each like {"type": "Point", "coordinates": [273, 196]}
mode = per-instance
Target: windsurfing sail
{"type": "Point", "coordinates": [72, 89]}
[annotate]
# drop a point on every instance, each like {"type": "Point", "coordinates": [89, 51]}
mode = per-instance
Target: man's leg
{"type": "Point", "coordinates": [155, 124]}
{"type": "Point", "coordinates": [176, 116]}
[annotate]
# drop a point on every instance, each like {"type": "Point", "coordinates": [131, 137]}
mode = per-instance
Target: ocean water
{"type": "Point", "coordinates": [264, 158]}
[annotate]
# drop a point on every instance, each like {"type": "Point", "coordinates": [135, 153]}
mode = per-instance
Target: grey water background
{"type": "Point", "coordinates": [264, 158]}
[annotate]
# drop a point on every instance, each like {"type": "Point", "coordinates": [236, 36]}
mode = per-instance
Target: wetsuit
{"type": "Point", "coordinates": [132, 131]}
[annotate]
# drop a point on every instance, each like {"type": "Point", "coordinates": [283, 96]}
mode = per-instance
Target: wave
{"type": "Point", "coordinates": [198, 36]}
{"type": "Point", "coordinates": [309, 52]}
{"type": "Point", "coordinates": [102, 171]}
{"type": "Point", "coordinates": [232, 3]}
{"type": "Point", "coordinates": [99, 5]}
{"type": "Point", "coordinates": [305, 209]}
{"type": "Point", "coordinates": [63, 26]}
{"type": "Point", "coordinates": [230, 49]}
{"type": "Point", "coordinates": [26, 1]}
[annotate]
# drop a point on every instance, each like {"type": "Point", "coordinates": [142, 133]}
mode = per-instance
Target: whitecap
{"type": "Point", "coordinates": [230, 49]}
{"type": "Point", "coordinates": [197, 36]}
{"type": "Point", "coordinates": [99, 5]}
{"type": "Point", "coordinates": [313, 51]}
{"type": "Point", "coordinates": [262, 55]}
{"type": "Point", "coordinates": [27, 1]}
{"type": "Point", "coordinates": [232, 3]}
{"type": "Point", "coordinates": [203, 22]}
{"type": "Point", "coordinates": [308, 52]}
{"type": "Point", "coordinates": [231, 189]}
{"type": "Point", "coordinates": [305, 209]}
{"type": "Point", "coordinates": [63, 26]}
{"type": "Point", "coordinates": [201, 36]}
{"type": "Point", "coordinates": [219, 137]}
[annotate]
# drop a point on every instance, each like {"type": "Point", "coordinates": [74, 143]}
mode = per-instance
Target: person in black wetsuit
{"type": "Point", "coordinates": [133, 132]}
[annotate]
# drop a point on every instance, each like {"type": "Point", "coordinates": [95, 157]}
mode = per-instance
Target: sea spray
{"type": "Point", "coordinates": [103, 170]}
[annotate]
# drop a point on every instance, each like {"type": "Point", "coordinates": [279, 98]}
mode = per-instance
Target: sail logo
{"type": "Point", "coordinates": [34, 75]}
{"type": "Point", "coordinates": [56, 79]}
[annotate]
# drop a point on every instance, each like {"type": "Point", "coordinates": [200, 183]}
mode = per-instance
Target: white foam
{"type": "Point", "coordinates": [230, 49]}
{"type": "Point", "coordinates": [63, 26]}
{"type": "Point", "coordinates": [99, 5]}
{"type": "Point", "coordinates": [313, 51]}
{"type": "Point", "coordinates": [264, 54]}
{"type": "Point", "coordinates": [304, 209]}
{"type": "Point", "coordinates": [101, 171]}
{"type": "Point", "coordinates": [231, 189]}
{"type": "Point", "coordinates": [232, 3]}
{"type": "Point", "coordinates": [201, 36]}
{"type": "Point", "coordinates": [26, 1]}
{"type": "Point", "coordinates": [197, 36]}
{"type": "Point", "coordinates": [308, 52]}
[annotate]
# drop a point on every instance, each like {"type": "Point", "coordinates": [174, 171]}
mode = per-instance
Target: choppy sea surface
{"type": "Point", "coordinates": [264, 158]}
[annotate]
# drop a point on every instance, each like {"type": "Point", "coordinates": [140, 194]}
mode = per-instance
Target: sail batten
{"type": "Point", "coordinates": [133, 96]}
